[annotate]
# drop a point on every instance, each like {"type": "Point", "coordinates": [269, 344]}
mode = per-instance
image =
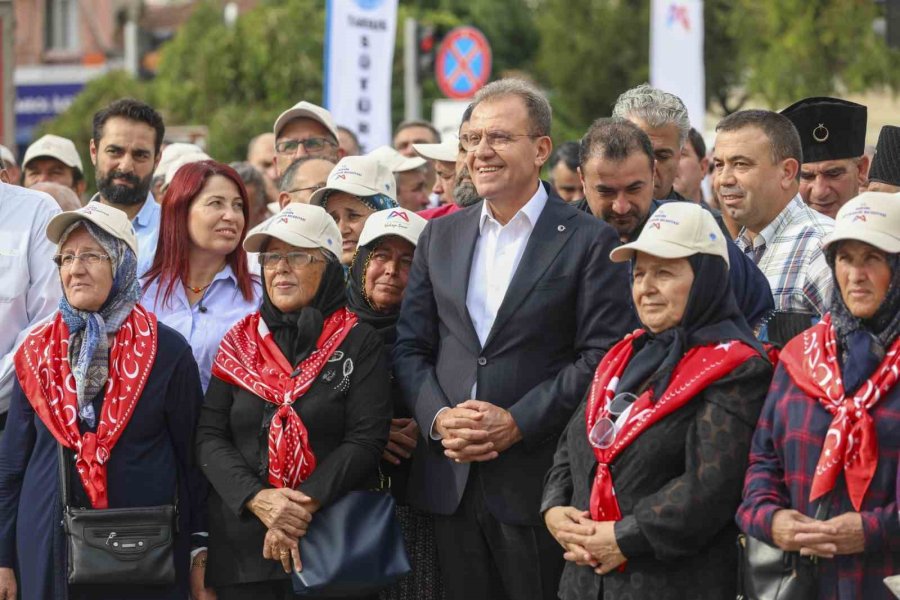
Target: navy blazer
{"type": "Point", "coordinates": [566, 304]}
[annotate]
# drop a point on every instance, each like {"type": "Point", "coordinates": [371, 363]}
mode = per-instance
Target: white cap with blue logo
{"type": "Point", "coordinates": [300, 225]}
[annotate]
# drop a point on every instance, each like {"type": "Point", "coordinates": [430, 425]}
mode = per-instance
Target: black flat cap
{"type": "Point", "coordinates": [830, 128]}
{"type": "Point", "coordinates": [886, 164]}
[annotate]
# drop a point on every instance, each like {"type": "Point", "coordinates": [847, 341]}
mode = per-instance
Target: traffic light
{"type": "Point", "coordinates": [426, 45]}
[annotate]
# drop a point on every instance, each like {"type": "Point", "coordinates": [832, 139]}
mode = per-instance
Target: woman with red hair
{"type": "Point", "coordinates": [199, 283]}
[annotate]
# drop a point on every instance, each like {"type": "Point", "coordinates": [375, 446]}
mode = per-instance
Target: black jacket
{"type": "Point", "coordinates": [678, 485]}
{"type": "Point", "coordinates": [347, 432]}
{"type": "Point", "coordinates": [565, 306]}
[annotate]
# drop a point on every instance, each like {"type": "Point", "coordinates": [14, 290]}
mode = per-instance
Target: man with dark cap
{"type": "Point", "coordinates": [884, 175]}
{"type": "Point", "coordinates": [833, 135]}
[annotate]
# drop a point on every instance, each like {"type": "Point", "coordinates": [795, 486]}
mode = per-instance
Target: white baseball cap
{"type": "Point", "coordinates": [108, 218]}
{"type": "Point", "coordinates": [173, 152]}
{"type": "Point", "coordinates": [446, 151]}
{"type": "Point", "coordinates": [392, 221]}
{"type": "Point", "coordinates": [306, 110]}
{"type": "Point", "coordinates": [871, 217]}
{"type": "Point", "coordinates": [300, 225]}
{"type": "Point", "coordinates": [395, 161]}
{"type": "Point", "coordinates": [677, 230]}
{"type": "Point", "coordinates": [184, 159]}
{"type": "Point", "coordinates": [359, 176]}
{"type": "Point", "coordinates": [7, 156]}
{"type": "Point", "coordinates": [54, 146]}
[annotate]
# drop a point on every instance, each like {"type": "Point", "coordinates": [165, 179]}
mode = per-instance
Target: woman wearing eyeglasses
{"type": "Point", "coordinates": [200, 284]}
{"type": "Point", "coordinates": [357, 187]}
{"type": "Point", "coordinates": [118, 394]}
{"type": "Point", "coordinates": [297, 412]}
{"type": "Point", "coordinates": [648, 474]}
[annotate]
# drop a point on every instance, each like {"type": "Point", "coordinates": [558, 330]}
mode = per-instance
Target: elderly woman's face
{"type": "Point", "coordinates": [85, 285]}
{"type": "Point", "coordinates": [660, 290]}
{"type": "Point", "coordinates": [350, 214]}
{"type": "Point", "coordinates": [388, 272]}
{"type": "Point", "coordinates": [291, 287]}
{"type": "Point", "coordinates": [863, 275]}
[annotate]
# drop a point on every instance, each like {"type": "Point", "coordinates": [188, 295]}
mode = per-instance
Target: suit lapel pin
{"type": "Point", "coordinates": [561, 228]}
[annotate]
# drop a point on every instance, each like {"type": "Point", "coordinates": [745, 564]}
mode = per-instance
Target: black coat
{"type": "Point", "coordinates": [155, 451]}
{"type": "Point", "coordinates": [566, 305]}
{"type": "Point", "coordinates": [678, 486]}
{"type": "Point", "coordinates": [347, 431]}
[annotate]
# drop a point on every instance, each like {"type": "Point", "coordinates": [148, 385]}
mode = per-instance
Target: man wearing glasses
{"type": "Point", "coordinates": [305, 130]}
{"type": "Point", "coordinates": [510, 305]}
{"type": "Point", "coordinates": [301, 179]}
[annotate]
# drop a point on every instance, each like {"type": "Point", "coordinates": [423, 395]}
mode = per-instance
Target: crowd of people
{"type": "Point", "coordinates": [613, 384]}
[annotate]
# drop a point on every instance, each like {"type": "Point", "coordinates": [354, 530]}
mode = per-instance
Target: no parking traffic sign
{"type": "Point", "coordinates": [463, 63]}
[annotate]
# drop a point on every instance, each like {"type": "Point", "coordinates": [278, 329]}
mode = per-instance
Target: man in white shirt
{"type": "Point", "coordinates": [510, 305]}
{"type": "Point", "coordinates": [29, 283]}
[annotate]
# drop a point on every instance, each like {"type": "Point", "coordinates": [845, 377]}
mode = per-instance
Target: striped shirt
{"type": "Point", "coordinates": [789, 251]}
{"type": "Point", "coordinates": [783, 458]}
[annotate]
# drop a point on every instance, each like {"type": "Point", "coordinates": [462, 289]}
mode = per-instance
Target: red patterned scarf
{"type": "Point", "coordinates": [851, 444]}
{"type": "Point", "coordinates": [700, 367]}
{"type": "Point", "coordinates": [249, 358]}
{"type": "Point", "coordinates": [43, 369]}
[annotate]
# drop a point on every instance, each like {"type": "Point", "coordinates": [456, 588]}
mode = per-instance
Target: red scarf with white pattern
{"type": "Point", "coordinates": [851, 443]}
{"type": "Point", "coordinates": [42, 366]}
{"type": "Point", "coordinates": [249, 358]}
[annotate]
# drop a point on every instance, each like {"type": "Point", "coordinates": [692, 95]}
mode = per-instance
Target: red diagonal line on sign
{"type": "Point", "coordinates": [462, 64]}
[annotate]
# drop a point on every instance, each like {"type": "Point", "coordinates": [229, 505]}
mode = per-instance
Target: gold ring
{"type": "Point", "coordinates": [285, 553]}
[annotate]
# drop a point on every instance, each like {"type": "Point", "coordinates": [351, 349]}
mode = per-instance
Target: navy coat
{"type": "Point", "coordinates": [154, 451]}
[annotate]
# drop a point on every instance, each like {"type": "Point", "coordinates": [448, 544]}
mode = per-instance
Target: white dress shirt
{"type": "Point", "coordinates": [498, 250]}
{"type": "Point", "coordinates": [29, 281]}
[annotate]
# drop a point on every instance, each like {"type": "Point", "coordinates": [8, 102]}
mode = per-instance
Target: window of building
{"type": "Point", "coordinates": [61, 25]}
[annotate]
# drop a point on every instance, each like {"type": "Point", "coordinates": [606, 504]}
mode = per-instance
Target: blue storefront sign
{"type": "Point", "coordinates": [37, 102]}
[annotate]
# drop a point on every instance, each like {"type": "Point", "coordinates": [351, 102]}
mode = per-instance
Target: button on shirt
{"type": "Point", "coordinates": [29, 281]}
{"type": "Point", "coordinates": [146, 228]}
{"type": "Point", "coordinates": [223, 306]}
{"type": "Point", "coordinates": [789, 251]}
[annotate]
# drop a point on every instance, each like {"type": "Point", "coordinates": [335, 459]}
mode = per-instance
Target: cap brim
{"type": "Point", "coordinates": [882, 241]}
{"type": "Point", "coordinates": [255, 242]}
{"type": "Point", "coordinates": [410, 163]}
{"type": "Point", "coordinates": [658, 248]}
{"type": "Point", "coordinates": [439, 152]}
{"type": "Point", "coordinates": [350, 188]}
{"type": "Point", "coordinates": [302, 113]}
{"type": "Point", "coordinates": [72, 164]}
{"type": "Point", "coordinates": [60, 222]}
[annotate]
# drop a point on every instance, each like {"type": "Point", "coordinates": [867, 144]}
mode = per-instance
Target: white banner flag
{"type": "Point", "coordinates": [676, 54]}
{"type": "Point", "coordinates": [359, 57]}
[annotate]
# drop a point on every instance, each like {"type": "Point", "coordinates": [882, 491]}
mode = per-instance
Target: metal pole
{"type": "Point", "coordinates": [7, 65]}
{"type": "Point", "coordinates": [132, 49]}
{"type": "Point", "coordinates": [412, 92]}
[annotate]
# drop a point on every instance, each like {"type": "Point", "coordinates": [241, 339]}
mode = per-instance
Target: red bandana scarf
{"type": "Point", "coordinates": [42, 365]}
{"type": "Point", "coordinates": [700, 367]}
{"type": "Point", "coordinates": [249, 358]}
{"type": "Point", "coordinates": [851, 444]}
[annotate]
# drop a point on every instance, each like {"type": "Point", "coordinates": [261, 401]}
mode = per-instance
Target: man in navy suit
{"type": "Point", "coordinates": [510, 305]}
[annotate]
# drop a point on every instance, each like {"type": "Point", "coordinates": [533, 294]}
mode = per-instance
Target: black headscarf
{"type": "Point", "coordinates": [862, 343]}
{"type": "Point", "coordinates": [711, 316]}
{"type": "Point", "coordinates": [296, 332]}
{"type": "Point", "coordinates": [385, 323]}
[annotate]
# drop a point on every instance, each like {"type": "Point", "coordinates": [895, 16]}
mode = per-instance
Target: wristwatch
{"type": "Point", "coordinates": [199, 561]}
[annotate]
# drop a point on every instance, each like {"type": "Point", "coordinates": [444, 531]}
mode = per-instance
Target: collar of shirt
{"type": "Point", "coordinates": [770, 231]}
{"type": "Point", "coordinates": [530, 212]}
{"type": "Point", "coordinates": [149, 214]}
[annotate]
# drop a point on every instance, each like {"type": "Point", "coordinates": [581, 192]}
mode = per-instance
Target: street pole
{"type": "Point", "coordinates": [7, 65]}
{"type": "Point", "coordinates": [412, 92]}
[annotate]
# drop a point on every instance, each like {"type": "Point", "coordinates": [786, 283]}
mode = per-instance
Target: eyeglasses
{"type": "Point", "coordinates": [603, 433]}
{"type": "Point", "coordinates": [498, 140]}
{"type": "Point", "coordinates": [295, 260]}
{"type": "Point", "coordinates": [313, 188]}
{"type": "Point", "coordinates": [88, 258]}
{"type": "Point", "coordinates": [313, 145]}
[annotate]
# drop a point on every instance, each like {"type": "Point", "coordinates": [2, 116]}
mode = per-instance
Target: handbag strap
{"type": "Point", "coordinates": [63, 463]}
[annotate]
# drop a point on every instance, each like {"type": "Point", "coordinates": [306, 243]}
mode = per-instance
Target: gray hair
{"type": "Point", "coordinates": [655, 107]}
{"type": "Point", "coordinates": [539, 111]}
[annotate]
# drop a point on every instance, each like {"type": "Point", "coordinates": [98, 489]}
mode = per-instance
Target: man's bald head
{"type": "Point", "coordinates": [64, 196]}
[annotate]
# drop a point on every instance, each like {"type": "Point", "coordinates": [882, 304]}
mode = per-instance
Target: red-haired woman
{"type": "Point", "coordinates": [199, 283]}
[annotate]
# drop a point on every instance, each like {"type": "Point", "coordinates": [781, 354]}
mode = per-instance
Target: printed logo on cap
{"type": "Point", "coordinates": [397, 213]}
{"type": "Point", "coordinates": [863, 212]}
{"type": "Point", "coordinates": [342, 171]}
{"type": "Point", "coordinates": [659, 217]}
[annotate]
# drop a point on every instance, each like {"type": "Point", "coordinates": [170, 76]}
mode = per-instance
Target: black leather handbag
{"type": "Point", "coordinates": [118, 545]}
{"type": "Point", "coordinates": [353, 548]}
{"type": "Point", "coordinates": [769, 573]}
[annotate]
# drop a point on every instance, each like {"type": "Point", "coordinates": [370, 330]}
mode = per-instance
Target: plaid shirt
{"type": "Point", "coordinates": [783, 457]}
{"type": "Point", "coordinates": [792, 259]}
